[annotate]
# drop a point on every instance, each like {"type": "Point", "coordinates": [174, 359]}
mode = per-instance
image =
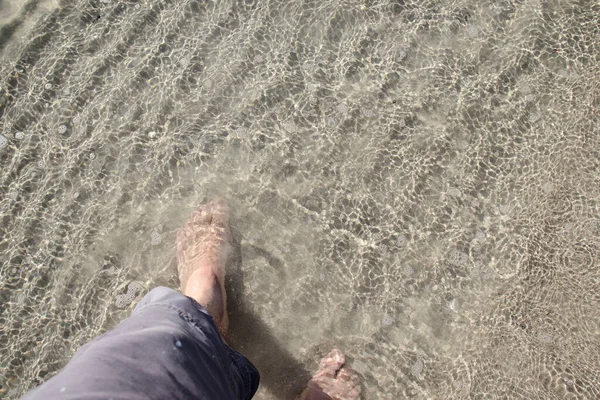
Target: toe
{"type": "Point", "coordinates": [181, 237]}
{"type": "Point", "coordinates": [202, 215]}
{"type": "Point", "coordinates": [220, 212]}
{"type": "Point", "coordinates": [354, 393]}
{"type": "Point", "coordinates": [331, 364]}
{"type": "Point", "coordinates": [334, 357]}
{"type": "Point", "coordinates": [349, 375]}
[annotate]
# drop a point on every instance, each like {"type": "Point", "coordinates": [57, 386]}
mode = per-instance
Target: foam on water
{"type": "Point", "coordinates": [414, 182]}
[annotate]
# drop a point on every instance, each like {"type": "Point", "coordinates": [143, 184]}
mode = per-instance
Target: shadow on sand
{"type": "Point", "coordinates": [281, 374]}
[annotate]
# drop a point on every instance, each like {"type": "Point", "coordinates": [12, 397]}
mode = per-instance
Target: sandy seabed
{"type": "Point", "coordinates": [414, 182]}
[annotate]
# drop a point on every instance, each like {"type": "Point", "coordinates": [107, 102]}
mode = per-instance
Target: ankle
{"type": "Point", "coordinates": [206, 289]}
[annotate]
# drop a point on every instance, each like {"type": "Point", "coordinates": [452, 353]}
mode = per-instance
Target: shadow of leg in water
{"type": "Point", "coordinates": [281, 374]}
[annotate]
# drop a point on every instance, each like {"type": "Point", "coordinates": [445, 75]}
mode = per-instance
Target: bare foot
{"type": "Point", "coordinates": [203, 246]}
{"type": "Point", "coordinates": [334, 380]}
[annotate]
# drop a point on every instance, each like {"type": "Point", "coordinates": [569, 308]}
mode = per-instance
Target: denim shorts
{"type": "Point", "coordinates": [169, 348]}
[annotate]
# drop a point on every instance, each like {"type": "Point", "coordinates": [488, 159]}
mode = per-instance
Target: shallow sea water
{"type": "Point", "coordinates": [413, 182]}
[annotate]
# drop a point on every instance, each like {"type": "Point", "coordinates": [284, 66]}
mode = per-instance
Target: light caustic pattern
{"type": "Point", "coordinates": [416, 182]}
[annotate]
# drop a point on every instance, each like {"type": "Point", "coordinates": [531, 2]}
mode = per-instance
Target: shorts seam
{"type": "Point", "coordinates": [188, 317]}
{"type": "Point", "coordinates": [165, 305]}
{"type": "Point", "coordinates": [194, 322]}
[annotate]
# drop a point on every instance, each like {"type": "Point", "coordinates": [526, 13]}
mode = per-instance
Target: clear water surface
{"type": "Point", "coordinates": [415, 182]}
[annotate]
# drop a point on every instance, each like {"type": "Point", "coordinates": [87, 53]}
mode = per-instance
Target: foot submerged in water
{"type": "Point", "coordinates": [204, 245]}
{"type": "Point", "coordinates": [333, 381]}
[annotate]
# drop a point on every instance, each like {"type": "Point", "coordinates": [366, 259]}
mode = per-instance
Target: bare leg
{"type": "Point", "coordinates": [203, 247]}
{"type": "Point", "coordinates": [334, 380]}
